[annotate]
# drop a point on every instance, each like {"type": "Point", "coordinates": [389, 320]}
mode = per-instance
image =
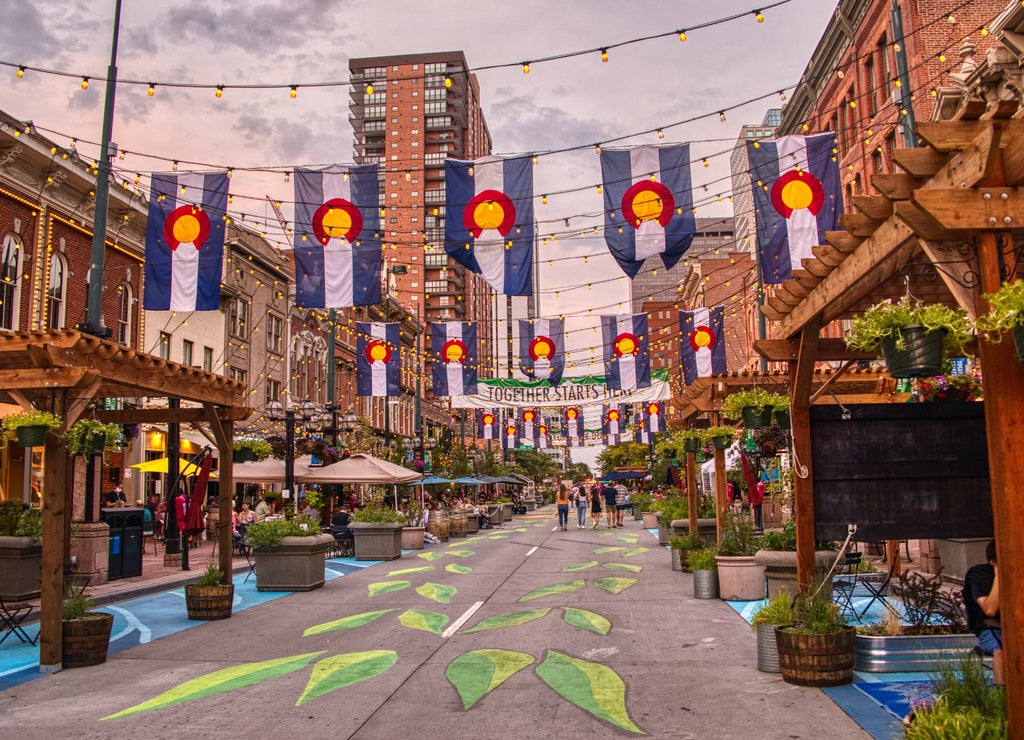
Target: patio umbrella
{"type": "Point", "coordinates": [613, 475]}
{"type": "Point", "coordinates": [433, 480]}
{"type": "Point", "coordinates": [467, 480]}
{"type": "Point", "coordinates": [630, 475]}
{"type": "Point", "coordinates": [360, 469]}
{"type": "Point", "coordinates": [160, 466]}
{"type": "Point", "coordinates": [194, 512]}
{"type": "Point", "coordinates": [270, 470]}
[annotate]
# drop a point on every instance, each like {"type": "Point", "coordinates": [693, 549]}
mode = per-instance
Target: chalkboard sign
{"type": "Point", "coordinates": [901, 471]}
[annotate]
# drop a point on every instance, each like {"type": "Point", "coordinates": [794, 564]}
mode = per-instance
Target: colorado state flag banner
{"type": "Point", "coordinates": [185, 241]}
{"type": "Point", "coordinates": [797, 198]}
{"type": "Point", "coordinates": [642, 434]}
{"type": "Point", "coordinates": [654, 416]}
{"type": "Point", "coordinates": [627, 357]}
{"type": "Point", "coordinates": [648, 204]}
{"type": "Point", "coordinates": [529, 421]}
{"type": "Point", "coordinates": [573, 424]}
{"type": "Point", "coordinates": [542, 349]}
{"type": "Point", "coordinates": [337, 237]}
{"type": "Point", "coordinates": [488, 424]}
{"type": "Point", "coordinates": [701, 343]}
{"type": "Point", "coordinates": [613, 422]}
{"type": "Point", "coordinates": [509, 435]}
{"type": "Point", "coordinates": [378, 363]}
{"type": "Point", "coordinates": [541, 436]}
{"type": "Point", "coordinates": [453, 350]}
{"type": "Point", "coordinates": [489, 220]}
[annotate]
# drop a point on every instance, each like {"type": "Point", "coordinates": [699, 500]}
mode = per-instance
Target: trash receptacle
{"type": "Point", "coordinates": [125, 553]}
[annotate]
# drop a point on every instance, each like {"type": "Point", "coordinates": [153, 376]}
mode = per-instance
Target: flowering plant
{"type": "Point", "coordinates": [965, 387]}
{"type": "Point", "coordinates": [419, 465]}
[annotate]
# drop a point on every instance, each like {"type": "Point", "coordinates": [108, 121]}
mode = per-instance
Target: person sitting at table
{"type": "Point", "coordinates": [246, 516]}
{"type": "Point", "coordinates": [981, 598]}
{"type": "Point", "coordinates": [482, 515]}
{"type": "Point", "coordinates": [161, 519]}
{"type": "Point", "coordinates": [147, 517]}
{"type": "Point", "coordinates": [342, 534]}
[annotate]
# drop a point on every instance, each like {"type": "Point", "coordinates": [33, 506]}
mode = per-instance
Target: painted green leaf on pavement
{"type": "Point", "coordinates": [356, 620]}
{"type": "Point", "coordinates": [437, 591]}
{"type": "Point", "coordinates": [634, 551]}
{"type": "Point", "coordinates": [426, 621]}
{"type": "Point", "coordinates": [614, 585]}
{"type": "Point", "coordinates": [386, 587]}
{"type": "Point", "coordinates": [553, 589]}
{"type": "Point", "coordinates": [339, 671]}
{"type": "Point", "coordinates": [460, 569]}
{"type": "Point", "coordinates": [586, 620]}
{"type": "Point", "coordinates": [590, 686]}
{"type": "Point", "coordinates": [462, 553]}
{"type": "Point", "coordinates": [430, 555]}
{"type": "Point", "coordinates": [629, 540]}
{"type": "Point", "coordinates": [227, 679]}
{"type": "Point", "coordinates": [603, 550]}
{"type": "Point", "coordinates": [477, 672]}
{"type": "Point", "coordinates": [410, 571]}
{"type": "Point", "coordinates": [579, 566]}
{"type": "Point", "coordinates": [623, 566]}
{"type": "Point", "coordinates": [508, 620]}
{"type": "Point", "coordinates": [498, 537]}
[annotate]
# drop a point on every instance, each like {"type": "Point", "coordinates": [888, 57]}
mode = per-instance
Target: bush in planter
{"type": "Point", "coordinates": [80, 436]}
{"type": "Point", "coordinates": [209, 598]}
{"type": "Point", "coordinates": [965, 705]}
{"type": "Point", "coordinates": [378, 515]}
{"type": "Point", "coordinates": [685, 544]}
{"type": "Point", "coordinates": [702, 560]}
{"type": "Point", "coordinates": [32, 418]}
{"type": "Point", "coordinates": [739, 538]}
{"type": "Point", "coordinates": [773, 612]}
{"type": "Point", "coordinates": [17, 521]}
{"type": "Point", "coordinates": [819, 648]}
{"type": "Point", "coordinates": [269, 534]}
{"type": "Point", "coordinates": [671, 508]}
{"type": "Point", "coordinates": [641, 502]}
{"type": "Point", "coordinates": [85, 634]}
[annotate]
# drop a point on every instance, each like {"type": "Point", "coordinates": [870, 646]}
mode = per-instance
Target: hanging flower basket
{"type": "Point", "coordinates": [691, 445]}
{"type": "Point", "coordinates": [31, 436]}
{"type": "Point", "coordinates": [756, 417]}
{"type": "Point", "coordinates": [915, 353]}
{"type": "Point", "coordinates": [721, 442]}
{"type": "Point", "coordinates": [781, 417]}
{"type": "Point", "coordinates": [242, 455]}
{"type": "Point", "coordinates": [98, 442]}
{"type": "Point", "coordinates": [1018, 341]}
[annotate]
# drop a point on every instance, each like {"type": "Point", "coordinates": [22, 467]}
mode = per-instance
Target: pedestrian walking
{"type": "Point", "coordinates": [620, 504]}
{"type": "Point", "coordinates": [581, 507]}
{"type": "Point", "coordinates": [562, 501]}
{"type": "Point", "coordinates": [609, 505]}
{"type": "Point", "coordinates": [595, 504]}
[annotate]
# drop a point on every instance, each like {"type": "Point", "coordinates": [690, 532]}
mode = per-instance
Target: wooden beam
{"type": "Point", "coordinates": [83, 393]}
{"type": "Point", "coordinates": [955, 269]}
{"type": "Point", "coordinates": [859, 224]}
{"type": "Point", "coordinates": [829, 349]}
{"type": "Point", "coordinates": [922, 162]}
{"type": "Point", "coordinates": [1012, 144]}
{"type": "Point", "coordinates": [972, 165]}
{"type": "Point", "coordinates": [828, 255]}
{"type": "Point", "coordinates": [782, 296]}
{"type": "Point", "coordinates": [806, 279]}
{"type": "Point", "coordinates": [973, 209]}
{"type": "Point", "coordinates": [922, 224]}
{"type": "Point", "coordinates": [37, 378]}
{"type": "Point", "coordinates": [876, 207]}
{"type": "Point", "coordinates": [793, 288]}
{"type": "Point", "coordinates": [896, 185]}
{"type": "Point", "coordinates": [844, 241]}
{"type": "Point", "coordinates": [949, 136]}
{"type": "Point", "coordinates": [171, 416]}
{"type": "Point", "coordinates": [772, 313]}
{"type": "Point", "coordinates": [801, 375]}
{"type": "Point", "coordinates": [816, 267]}
{"type": "Point", "coordinates": [56, 496]}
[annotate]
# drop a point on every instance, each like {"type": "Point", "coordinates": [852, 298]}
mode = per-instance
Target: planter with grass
{"type": "Point", "coordinates": [85, 634]}
{"type": "Point", "coordinates": [704, 568]}
{"type": "Point", "coordinates": [818, 649]}
{"type": "Point", "coordinates": [682, 546]}
{"type": "Point", "coordinates": [289, 554]}
{"type": "Point", "coordinates": [21, 552]}
{"type": "Point", "coordinates": [208, 598]}
{"type": "Point", "coordinates": [774, 612]}
{"type": "Point", "coordinates": [740, 577]}
{"type": "Point", "coordinates": [377, 533]}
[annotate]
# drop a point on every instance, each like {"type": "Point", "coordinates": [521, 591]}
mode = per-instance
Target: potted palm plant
{"type": "Point", "coordinates": [289, 554]}
{"type": "Point", "coordinates": [89, 435]}
{"type": "Point", "coordinates": [755, 406]}
{"type": "Point", "coordinates": [85, 634]}
{"type": "Point", "coordinates": [704, 568]}
{"type": "Point", "coordinates": [773, 612]}
{"type": "Point", "coordinates": [30, 427]}
{"type": "Point", "coordinates": [912, 336]}
{"type": "Point", "coordinates": [209, 597]}
{"type": "Point", "coordinates": [818, 648]}
{"type": "Point", "coordinates": [1006, 313]}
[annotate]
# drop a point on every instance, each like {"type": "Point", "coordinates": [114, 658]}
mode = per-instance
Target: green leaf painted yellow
{"type": "Point", "coordinates": [430, 555]}
{"type": "Point", "coordinates": [356, 620]}
{"type": "Point", "coordinates": [461, 553]}
{"type": "Point", "coordinates": [553, 589]}
{"type": "Point", "coordinates": [592, 687]}
{"type": "Point", "coordinates": [339, 671]}
{"type": "Point", "coordinates": [437, 591]}
{"type": "Point", "coordinates": [623, 566]}
{"type": "Point", "coordinates": [426, 621]}
{"type": "Point", "coordinates": [410, 571]}
{"type": "Point", "coordinates": [628, 540]}
{"type": "Point", "coordinates": [520, 529]}
{"type": "Point", "coordinates": [227, 679]}
{"type": "Point", "coordinates": [614, 585]}
{"type": "Point", "coordinates": [498, 537]}
{"type": "Point", "coordinates": [477, 672]}
{"type": "Point", "coordinates": [586, 620]}
{"type": "Point", "coordinates": [634, 551]}
{"type": "Point", "coordinates": [460, 569]}
{"type": "Point", "coordinates": [508, 620]}
{"type": "Point", "coordinates": [579, 566]}
{"type": "Point", "coordinates": [603, 550]}
{"type": "Point", "coordinates": [386, 587]}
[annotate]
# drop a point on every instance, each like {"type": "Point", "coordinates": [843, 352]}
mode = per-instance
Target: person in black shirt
{"type": "Point", "coordinates": [981, 598]}
{"type": "Point", "coordinates": [341, 532]}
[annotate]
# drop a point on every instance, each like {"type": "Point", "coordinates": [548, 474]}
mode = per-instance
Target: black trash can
{"type": "Point", "coordinates": [125, 551]}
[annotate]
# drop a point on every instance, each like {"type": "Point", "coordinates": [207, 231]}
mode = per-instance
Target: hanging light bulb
{"type": "Point", "coordinates": [174, 166]}
{"type": "Point", "coordinates": [604, 55]}
{"type": "Point", "coordinates": [661, 134]}
{"type": "Point", "coordinates": [544, 199]}
{"type": "Point", "coordinates": [21, 72]}
{"type": "Point", "coordinates": [219, 91]}
{"type": "Point", "coordinates": [706, 162]}
{"type": "Point", "coordinates": [782, 94]}
{"type": "Point", "coordinates": [287, 177]}
{"type": "Point", "coordinates": [597, 147]}
{"type": "Point", "coordinates": [152, 90]}
{"type": "Point", "coordinates": [533, 159]}
{"type": "Point", "coordinates": [721, 116]}
{"type": "Point", "coordinates": [294, 91]}
{"type": "Point", "coordinates": [447, 81]}
{"type": "Point", "coordinates": [599, 190]}
{"type": "Point", "coordinates": [526, 68]}
{"type": "Point", "coordinates": [682, 35]}
{"type": "Point", "coordinates": [85, 83]}
{"type": "Point", "coordinates": [840, 74]}
{"type": "Point", "coordinates": [369, 88]}
{"type": "Point", "coordinates": [759, 15]}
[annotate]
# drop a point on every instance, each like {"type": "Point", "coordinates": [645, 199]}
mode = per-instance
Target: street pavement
{"type": "Point", "coordinates": [447, 642]}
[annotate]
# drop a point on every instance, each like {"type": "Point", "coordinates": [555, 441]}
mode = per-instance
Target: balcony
{"type": "Point", "coordinates": [434, 197]}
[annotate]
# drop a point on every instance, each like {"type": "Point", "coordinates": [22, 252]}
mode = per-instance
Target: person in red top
{"type": "Point", "coordinates": [179, 512]}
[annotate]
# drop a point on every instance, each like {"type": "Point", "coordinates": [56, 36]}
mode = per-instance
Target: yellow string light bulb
{"type": "Point", "coordinates": [942, 57]}
{"type": "Point", "coordinates": [20, 73]}
{"type": "Point", "coordinates": [782, 94]}
{"type": "Point", "coordinates": [853, 103]}
{"type": "Point", "coordinates": [544, 199]}
{"type": "Point", "coordinates": [682, 35]}
{"type": "Point", "coordinates": [447, 81]}
{"type": "Point", "coordinates": [152, 90]}
{"type": "Point", "coordinates": [174, 166]}
{"type": "Point", "coordinates": [599, 190]}
{"type": "Point", "coordinates": [597, 148]}
{"type": "Point", "coordinates": [806, 127]}
{"type": "Point", "coordinates": [294, 91]}
{"type": "Point", "coordinates": [219, 91]}
{"type": "Point", "coordinates": [661, 134]}
{"type": "Point", "coordinates": [526, 68]}
{"type": "Point", "coordinates": [757, 144]}
{"type": "Point", "coordinates": [759, 15]}
{"type": "Point", "coordinates": [705, 162]}
{"type": "Point", "coordinates": [721, 116]}
{"type": "Point", "coordinates": [85, 83]}
{"type": "Point", "coordinates": [840, 74]}
{"type": "Point", "coordinates": [604, 55]}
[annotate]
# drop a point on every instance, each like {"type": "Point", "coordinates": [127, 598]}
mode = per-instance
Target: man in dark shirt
{"type": "Point", "coordinates": [609, 505]}
{"type": "Point", "coordinates": [116, 497]}
{"type": "Point", "coordinates": [342, 534]}
{"type": "Point", "coordinates": [981, 598]}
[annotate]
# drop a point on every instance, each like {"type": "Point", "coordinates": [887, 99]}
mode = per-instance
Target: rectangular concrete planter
{"type": "Point", "coordinates": [899, 654]}
{"type": "Point", "coordinates": [472, 523]}
{"type": "Point", "coordinates": [957, 555]}
{"type": "Point", "coordinates": [650, 518]}
{"type": "Point", "coordinates": [297, 564]}
{"type": "Point", "coordinates": [412, 538]}
{"type": "Point", "coordinates": [377, 540]}
{"type": "Point", "coordinates": [20, 568]}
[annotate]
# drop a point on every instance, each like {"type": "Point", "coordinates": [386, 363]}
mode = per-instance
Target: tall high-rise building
{"type": "Point", "coordinates": [410, 113]}
{"type": "Point", "coordinates": [739, 165]}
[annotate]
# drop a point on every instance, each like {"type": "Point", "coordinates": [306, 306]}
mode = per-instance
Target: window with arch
{"type": "Point", "coordinates": [124, 314]}
{"type": "Point", "coordinates": [56, 291]}
{"type": "Point", "coordinates": [10, 281]}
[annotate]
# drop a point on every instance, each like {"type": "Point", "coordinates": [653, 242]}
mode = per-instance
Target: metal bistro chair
{"type": "Point", "coordinates": [11, 617]}
{"type": "Point", "coordinates": [845, 582]}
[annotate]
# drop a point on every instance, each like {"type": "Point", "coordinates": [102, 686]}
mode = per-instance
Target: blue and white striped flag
{"type": "Point", "coordinates": [378, 359]}
{"type": "Point", "coordinates": [453, 350]}
{"type": "Point", "coordinates": [702, 343]}
{"type": "Point", "coordinates": [542, 349]}
{"type": "Point", "coordinates": [627, 358]}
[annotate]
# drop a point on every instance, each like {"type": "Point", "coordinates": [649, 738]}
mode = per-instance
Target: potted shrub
{"type": "Point", "coordinates": [682, 546]}
{"type": "Point", "coordinates": [912, 336]}
{"type": "Point", "coordinates": [209, 597]}
{"type": "Point", "coordinates": [818, 648]}
{"type": "Point", "coordinates": [777, 554]}
{"type": "Point", "coordinates": [1006, 313]}
{"type": "Point", "coordinates": [641, 502]}
{"type": "Point", "coordinates": [89, 435]}
{"type": "Point", "coordinates": [249, 450]}
{"type": "Point", "coordinates": [966, 704]}
{"type": "Point", "coordinates": [773, 612]}
{"type": "Point", "coordinates": [719, 437]}
{"type": "Point", "coordinates": [412, 532]}
{"type": "Point", "coordinates": [377, 529]}
{"type": "Point", "coordinates": [755, 406]}
{"type": "Point", "coordinates": [289, 554]}
{"type": "Point", "coordinates": [704, 567]}
{"type": "Point", "coordinates": [670, 509]}
{"type": "Point", "coordinates": [692, 439]}
{"type": "Point", "coordinates": [740, 577]}
{"type": "Point", "coordinates": [85, 634]}
{"type": "Point", "coordinates": [21, 551]}
{"type": "Point", "coordinates": [30, 427]}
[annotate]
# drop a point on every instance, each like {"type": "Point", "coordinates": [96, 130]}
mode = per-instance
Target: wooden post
{"type": "Point", "coordinates": [226, 500]}
{"type": "Point", "coordinates": [56, 504]}
{"type": "Point", "coordinates": [721, 494]}
{"type": "Point", "coordinates": [691, 491]}
{"type": "Point", "coordinates": [1004, 426]}
{"type": "Point", "coordinates": [800, 374]}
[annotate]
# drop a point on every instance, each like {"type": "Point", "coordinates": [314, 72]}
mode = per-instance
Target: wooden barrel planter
{"type": "Point", "coordinates": [756, 417]}
{"type": "Point", "coordinates": [816, 659]}
{"type": "Point", "coordinates": [209, 602]}
{"type": "Point", "coordinates": [437, 525]}
{"type": "Point", "coordinates": [457, 524]}
{"type": "Point", "coordinates": [84, 642]}
{"type": "Point", "coordinates": [920, 356]}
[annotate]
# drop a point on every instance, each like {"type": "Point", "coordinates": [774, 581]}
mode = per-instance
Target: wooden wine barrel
{"type": "Point", "coordinates": [457, 523]}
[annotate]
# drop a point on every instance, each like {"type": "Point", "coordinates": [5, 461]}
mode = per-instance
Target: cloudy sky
{"type": "Point", "coordinates": [577, 101]}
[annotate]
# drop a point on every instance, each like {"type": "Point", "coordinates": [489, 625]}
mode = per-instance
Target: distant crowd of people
{"type": "Point", "coordinates": [612, 500]}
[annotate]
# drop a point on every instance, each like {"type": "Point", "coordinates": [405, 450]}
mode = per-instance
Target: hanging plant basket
{"type": "Point", "coordinates": [920, 356]}
{"type": "Point", "coordinates": [31, 436]}
{"type": "Point", "coordinates": [756, 417]}
{"type": "Point", "coordinates": [691, 445]}
{"type": "Point", "coordinates": [243, 455]}
{"type": "Point", "coordinates": [781, 417]}
{"type": "Point", "coordinates": [98, 442]}
{"type": "Point", "coordinates": [722, 442]}
{"type": "Point", "coordinates": [1018, 341]}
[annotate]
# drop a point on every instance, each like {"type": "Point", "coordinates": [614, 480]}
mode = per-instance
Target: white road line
{"type": "Point", "coordinates": [555, 529]}
{"type": "Point", "coordinates": [531, 551]}
{"type": "Point", "coordinates": [461, 620]}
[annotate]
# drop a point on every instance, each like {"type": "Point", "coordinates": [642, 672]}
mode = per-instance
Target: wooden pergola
{"type": "Point", "coordinates": [66, 371]}
{"type": "Point", "coordinates": [949, 222]}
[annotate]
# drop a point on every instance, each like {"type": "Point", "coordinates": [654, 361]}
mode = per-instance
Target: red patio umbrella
{"type": "Point", "coordinates": [194, 512]}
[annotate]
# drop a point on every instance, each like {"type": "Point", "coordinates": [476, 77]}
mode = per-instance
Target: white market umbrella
{"type": "Point", "coordinates": [270, 470]}
{"type": "Point", "coordinates": [362, 469]}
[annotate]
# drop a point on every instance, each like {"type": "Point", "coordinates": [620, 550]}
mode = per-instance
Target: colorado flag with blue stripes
{"type": "Point", "coordinates": [702, 343]}
{"type": "Point", "coordinates": [627, 357]}
{"type": "Point", "coordinates": [378, 359]}
{"type": "Point", "coordinates": [797, 198]}
{"type": "Point", "coordinates": [489, 220]}
{"type": "Point", "coordinates": [654, 416]}
{"type": "Point", "coordinates": [648, 204]}
{"type": "Point", "coordinates": [542, 349]}
{"type": "Point", "coordinates": [613, 422]}
{"type": "Point", "coordinates": [488, 424]}
{"type": "Point", "coordinates": [337, 237]}
{"type": "Point", "coordinates": [573, 425]}
{"type": "Point", "coordinates": [453, 350]}
{"type": "Point", "coordinates": [185, 241]}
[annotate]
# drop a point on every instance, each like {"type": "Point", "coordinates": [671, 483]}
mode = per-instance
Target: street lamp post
{"type": "Point", "coordinates": [288, 415]}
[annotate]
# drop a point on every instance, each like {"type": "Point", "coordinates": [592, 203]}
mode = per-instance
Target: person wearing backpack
{"type": "Point", "coordinates": [981, 599]}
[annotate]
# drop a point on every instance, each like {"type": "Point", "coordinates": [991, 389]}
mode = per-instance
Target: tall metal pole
{"type": "Point", "coordinates": [94, 304]}
{"type": "Point", "coordinates": [906, 105]}
{"type": "Point", "coordinates": [289, 455]}
{"type": "Point", "coordinates": [387, 398]}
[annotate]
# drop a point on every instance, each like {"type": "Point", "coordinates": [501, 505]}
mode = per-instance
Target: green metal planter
{"type": "Point", "coordinates": [920, 356]}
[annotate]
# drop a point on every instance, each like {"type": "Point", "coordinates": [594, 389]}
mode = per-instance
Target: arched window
{"type": "Point", "coordinates": [10, 282]}
{"type": "Point", "coordinates": [56, 291]}
{"type": "Point", "coordinates": [124, 314]}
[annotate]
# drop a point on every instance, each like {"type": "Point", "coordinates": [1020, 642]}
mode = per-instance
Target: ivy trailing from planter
{"type": "Point", "coordinates": [25, 419]}
{"type": "Point", "coordinates": [1006, 313]}
{"type": "Point", "coordinates": [83, 436]}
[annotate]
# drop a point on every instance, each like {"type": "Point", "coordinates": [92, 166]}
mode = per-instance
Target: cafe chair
{"type": "Point", "coordinates": [12, 614]}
